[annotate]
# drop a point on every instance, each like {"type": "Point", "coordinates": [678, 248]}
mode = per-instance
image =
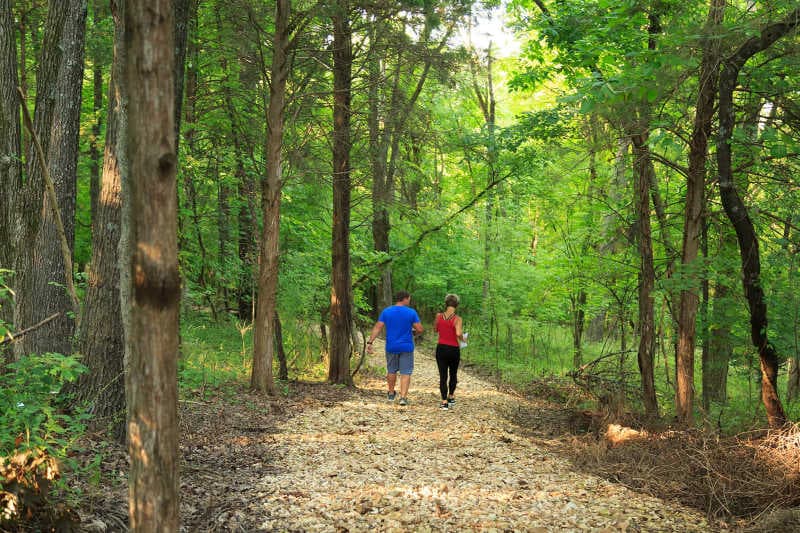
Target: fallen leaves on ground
{"type": "Point", "coordinates": [330, 459]}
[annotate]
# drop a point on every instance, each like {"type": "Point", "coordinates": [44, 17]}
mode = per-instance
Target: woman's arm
{"type": "Point", "coordinates": [459, 331]}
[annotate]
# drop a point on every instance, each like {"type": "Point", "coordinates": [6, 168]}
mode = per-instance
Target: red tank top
{"type": "Point", "coordinates": [447, 330]}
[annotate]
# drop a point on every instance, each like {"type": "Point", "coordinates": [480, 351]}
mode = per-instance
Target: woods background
{"type": "Point", "coordinates": [613, 194]}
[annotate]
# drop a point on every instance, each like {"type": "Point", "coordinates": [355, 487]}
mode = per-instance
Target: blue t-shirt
{"type": "Point", "coordinates": [399, 320]}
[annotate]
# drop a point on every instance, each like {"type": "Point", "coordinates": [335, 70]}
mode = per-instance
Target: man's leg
{"type": "Point", "coordinates": [405, 381]}
{"type": "Point", "coordinates": [392, 368]}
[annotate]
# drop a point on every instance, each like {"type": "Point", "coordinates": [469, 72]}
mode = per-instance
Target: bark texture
{"type": "Point", "coordinates": [40, 265]}
{"type": "Point", "coordinates": [265, 319]}
{"type": "Point", "coordinates": [341, 289]}
{"type": "Point", "coordinates": [151, 383]}
{"type": "Point", "coordinates": [101, 336]}
{"type": "Point", "coordinates": [10, 149]}
{"type": "Point", "coordinates": [643, 168]}
{"type": "Point", "coordinates": [693, 217]}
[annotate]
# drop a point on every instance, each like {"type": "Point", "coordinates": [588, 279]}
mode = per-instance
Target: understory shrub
{"type": "Point", "coordinates": [36, 442]}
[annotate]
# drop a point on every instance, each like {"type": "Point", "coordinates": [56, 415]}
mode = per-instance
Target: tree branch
{"type": "Point", "coordinates": [449, 218]}
{"type": "Point", "coordinates": [11, 337]}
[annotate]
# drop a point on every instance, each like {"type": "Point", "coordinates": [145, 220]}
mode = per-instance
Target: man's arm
{"type": "Point", "coordinates": [418, 327]}
{"type": "Point", "coordinates": [374, 334]}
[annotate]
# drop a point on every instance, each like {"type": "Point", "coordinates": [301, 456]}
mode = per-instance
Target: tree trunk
{"type": "Point", "coordinates": [264, 325]}
{"type": "Point", "coordinates": [223, 236]}
{"type": "Point", "coordinates": [40, 262]}
{"type": "Point", "coordinates": [23, 76]}
{"type": "Point", "coordinates": [10, 147]}
{"type": "Point", "coordinates": [793, 361]}
{"type": "Point", "coordinates": [341, 287]}
{"type": "Point", "coordinates": [793, 376]}
{"type": "Point", "coordinates": [283, 369]}
{"type": "Point", "coordinates": [382, 179]}
{"type": "Point", "coordinates": [101, 336]}
{"type": "Point", "coordinates": [245, 244]}
{"type": "Point", "coordinates": [151, 382]}
{"type": "Point", "coordinates": [387, 122]}
{"type": "Point", "coordinates": [723, 306]}
{"type": "Point", "coordinates": [578, 322]}
{"type": "Point", "coordinates": [183, 11]}
{"type": "Point", "coordinates": [695, 202]}
{"type": "Point", "coordinates": [190, 122]}
{"type": "Point", "coordinates": [737, 213]}
{"type": "Point", "coordinates": [95, 155]}
{"type": "Point", "coordinates": [720, 347]}
{"type": "Point", "coordinates": [643, 166]}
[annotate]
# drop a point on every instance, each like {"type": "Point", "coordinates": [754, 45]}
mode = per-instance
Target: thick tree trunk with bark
{"type": "Point", "coordinates": [643, 167]}
{"type": "Point", "coordinates": [40, 265]}
{"type": "Point", "coordinates": [341, 287]}
{"type": "Point", "coordinates": [101, 335]}
{"type": "Point", "coordinates": [10, 147]}
{"type": "Point", "coordinates": [264, 325]}
{"type": "Point", "coordinates": [693, 219]}
{"type": "Point", "coordinates": [152, 336]}
{"type": "Point", "coordinates": [738, 215]}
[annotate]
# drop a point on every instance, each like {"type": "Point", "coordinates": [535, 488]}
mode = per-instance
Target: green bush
{"type": "Point", "coordinates": [30, 405]}
{"type": "Point", "coordinates": [36, 443]}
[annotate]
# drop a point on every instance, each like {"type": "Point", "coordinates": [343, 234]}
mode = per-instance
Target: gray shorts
{"type": "Point", "coordinates": [402, 362]}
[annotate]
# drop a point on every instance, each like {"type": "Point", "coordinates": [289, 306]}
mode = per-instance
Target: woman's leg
{"type": "Point", "coordinates": [453, 363]}
{"type": "Point", "coordinates": [441, 363]}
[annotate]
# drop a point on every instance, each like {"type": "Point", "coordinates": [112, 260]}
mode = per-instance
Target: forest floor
{"type": "Point", "coordinates": [326, 458]}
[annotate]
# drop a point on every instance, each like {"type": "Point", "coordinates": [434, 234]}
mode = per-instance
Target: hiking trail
{"type": "Point", "coordinates": [328, 459]}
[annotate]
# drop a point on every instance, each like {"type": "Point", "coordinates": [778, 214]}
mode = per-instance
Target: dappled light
{"type": "Point", "coordinates": [616, 434]}
{"type": "Point", "coordinates": [354, 460]}
{"type": "Point", "coordinates": [601, 197]}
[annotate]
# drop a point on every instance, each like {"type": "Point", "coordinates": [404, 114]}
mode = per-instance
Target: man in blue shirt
{"type": "Point", "coordinates": [401, 322]}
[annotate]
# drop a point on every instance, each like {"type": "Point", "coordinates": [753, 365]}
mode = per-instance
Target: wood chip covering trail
{"type": "Point", "coordinates": [353, 461]}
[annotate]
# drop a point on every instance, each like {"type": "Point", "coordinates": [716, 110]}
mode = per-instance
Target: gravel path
{"type": "Point", "coordinates": [362, 463]}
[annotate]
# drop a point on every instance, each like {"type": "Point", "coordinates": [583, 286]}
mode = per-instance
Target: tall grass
{"type": "Point", "coordinates": [216, 356]}
{"type": "Point", "coordinates": [524, 351]}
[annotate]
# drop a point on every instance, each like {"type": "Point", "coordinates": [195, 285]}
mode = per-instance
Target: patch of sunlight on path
{"type": "Point", "coordinates": [368, 464]}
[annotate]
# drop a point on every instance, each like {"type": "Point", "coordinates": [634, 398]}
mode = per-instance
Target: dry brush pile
{"type": "Point", "coordinates": [751, 479]}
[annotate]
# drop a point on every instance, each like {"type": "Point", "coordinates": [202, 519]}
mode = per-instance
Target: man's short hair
{"type": "Point", "coordinates": [401, 295]}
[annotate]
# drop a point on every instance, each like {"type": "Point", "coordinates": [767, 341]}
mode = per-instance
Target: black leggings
{"type": "Point", "coordinates": [447, 359]}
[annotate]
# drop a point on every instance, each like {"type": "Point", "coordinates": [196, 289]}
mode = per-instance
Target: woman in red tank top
{"type": "Point", "coordinates": [448, 353]}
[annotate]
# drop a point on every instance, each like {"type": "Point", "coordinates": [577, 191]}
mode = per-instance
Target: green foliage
{"type": "Point", "coordinates": [557, 223]}
{"type": "Point", "coordinates": [31, 405]}
{"type": "Point", "coordinates": [214, 356]}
